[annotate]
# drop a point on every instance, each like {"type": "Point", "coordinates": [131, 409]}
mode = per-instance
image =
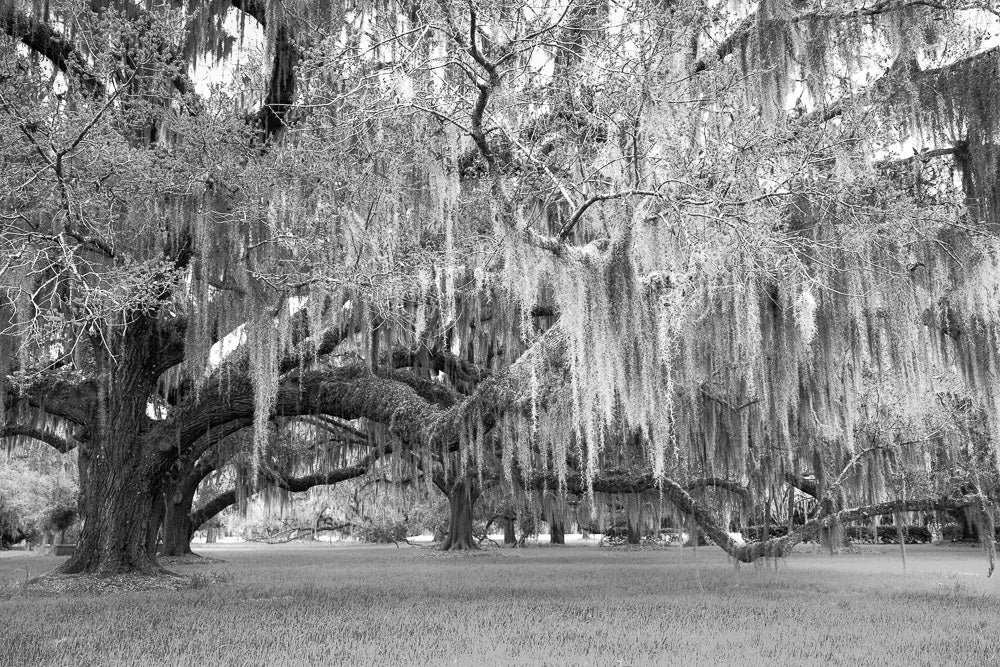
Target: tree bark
{"type": "Point", "coordinates": [120, 469]}
{"type": "Point", "coordinates": [117, 511]}
{"type": "Point", "coordinates": [177, 526]}
{"type": "Point", "coordinates": [462, 498]}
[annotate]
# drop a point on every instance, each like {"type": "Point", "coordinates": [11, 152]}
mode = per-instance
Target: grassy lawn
{"type": "Point", "coordinates": [353, 605]}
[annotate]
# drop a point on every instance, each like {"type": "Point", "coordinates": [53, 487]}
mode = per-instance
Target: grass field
{"type": "Point", "coordinates": [356, 605]}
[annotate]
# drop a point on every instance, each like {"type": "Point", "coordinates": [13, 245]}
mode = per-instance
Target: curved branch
{"type": "Point", "coordinates": [293, 484]}
{"type": "Point", "coordinates": [61, 444]}
{"type": "Point", "coordinates": [72, 401]}
{"type": "Point", "coordinates": [352, 392]}
{"type": "Point", "coordinates": [782, 546]}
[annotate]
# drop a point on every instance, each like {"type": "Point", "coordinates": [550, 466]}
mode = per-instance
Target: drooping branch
{"type": "Point", "coordinates": [60, 443]}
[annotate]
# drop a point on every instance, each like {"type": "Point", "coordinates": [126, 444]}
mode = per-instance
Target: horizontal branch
{"type": "Point", "coordinates": [627, 481]}
{"type": "Point", "coordinates": [46, 436]}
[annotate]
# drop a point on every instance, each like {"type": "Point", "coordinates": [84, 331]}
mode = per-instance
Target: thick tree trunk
{"type": "Point", "coordinates": [118, 508]}
{"type": "Point", "coordinates": [120, 470]}
{"type": "Point", "coordinates": [632, 533]}
{"type": "Point", "coordinates": [177, 526]}
{"type": "Point", "coordinates": [461, 500]}
{"type": "Point", "coordinates": [509, 535]}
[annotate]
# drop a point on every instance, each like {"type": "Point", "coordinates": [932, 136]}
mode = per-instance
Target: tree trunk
{"type": "Point", "coordinates": [633, 533]}
{"type": "Point", "coordinates": [557, 529]}
{"type": "Point", "coordinates": [461, 501]}
{"type": "Point", "coordinates": [120, 470]}
{"type": "Point", "coordinates": [118, 508]}
{"type": "Point", "coordinates": [509, 535]}
{"type": "Point", "coordinates": [177, 526]}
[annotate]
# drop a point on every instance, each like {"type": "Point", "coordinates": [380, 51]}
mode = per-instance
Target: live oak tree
{"type": "Point", "coordinates": [575, 246]}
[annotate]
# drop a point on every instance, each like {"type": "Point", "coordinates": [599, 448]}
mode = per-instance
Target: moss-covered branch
{"type": "Point", "coordinates": [58, 442]}
{"type": "Point", "coordinates": [46, 41]}
{"type": "Point", "coordinates": [291, 484]}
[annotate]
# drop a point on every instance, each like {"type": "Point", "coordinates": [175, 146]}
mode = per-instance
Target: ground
{"type": "Point", "coordinates": [360, 605]}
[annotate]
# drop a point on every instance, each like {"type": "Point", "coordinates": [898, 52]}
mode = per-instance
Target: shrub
{"type": "Point", "coordinates": [382, 531]}
{"type": "Point", "coordinates": [952, 532]}
{"type": "Point", "coordinates": [889, 535]}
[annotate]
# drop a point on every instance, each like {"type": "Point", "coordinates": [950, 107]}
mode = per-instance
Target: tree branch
{"type": "Point", "coordinates": [61, 444]}
{"type": "Point", "coordinates": [293, 484]}
{"type": "Point", "coordinates": [46, 41]}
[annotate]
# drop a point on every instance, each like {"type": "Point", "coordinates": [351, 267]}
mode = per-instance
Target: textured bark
{"type": "Point", "coordinates": [177, 528]}
{"type": "Point", "coordinates": [462, 495]}
{"type": "Point", "coordinates": [120, 473]}
{"type": "Point", "coordinates": [117, 510]}
{"type": "Point", "coordinates": [178, 499]}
